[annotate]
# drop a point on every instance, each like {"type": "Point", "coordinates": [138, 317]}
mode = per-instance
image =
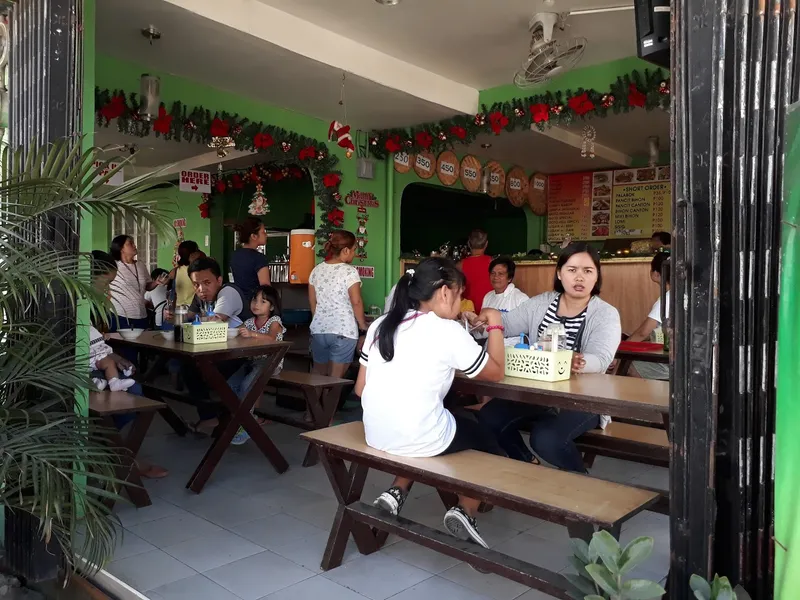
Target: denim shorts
{"type": "Point", "coordinates": [329, 347]}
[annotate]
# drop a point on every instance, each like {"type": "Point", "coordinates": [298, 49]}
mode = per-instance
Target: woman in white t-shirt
{"type": "Point", "coordinates": [505, 296]}
{"type": "Point", "coordinates": [408, 361]}
{"type": "Point", "coordinates": [334, 293]}
{"type": "Point", "coordinates": [645, 330]}
{"type": "Point", "coordinates": [130, 285]}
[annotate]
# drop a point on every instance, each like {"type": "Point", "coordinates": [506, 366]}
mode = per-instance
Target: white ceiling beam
{"type": "Point", "coordinates": [330, 48]}
{"type": "Point", "coordinates": [571, 138]}
{"type": "Point", "coordinates": [192, 163]}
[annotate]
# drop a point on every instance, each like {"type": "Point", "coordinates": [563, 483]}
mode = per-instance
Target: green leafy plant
{"type": "Point", "coordinates": [602, 564]}
{"type": "Point", "coordinates": [56, 464]}
{"type": "Point", "coordinates": [718, 589]}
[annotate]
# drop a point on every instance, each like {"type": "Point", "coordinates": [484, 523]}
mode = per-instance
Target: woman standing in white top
{"type": "Point", "coordinates": [334, 293]}
{"type": "Point", "coordinates": [130, 285]}
{"type": "Point", "coordinates": [504, 295]}
{"type": "Point", "coordinates": [640, 368]}
{"type": "Point", "coordinates": [408, 362]}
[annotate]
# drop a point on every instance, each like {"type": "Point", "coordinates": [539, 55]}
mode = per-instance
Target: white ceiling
{"type": "Point", "coordinates": [477, 42]}
{"type": "Point", "coordinates": [206, 51]}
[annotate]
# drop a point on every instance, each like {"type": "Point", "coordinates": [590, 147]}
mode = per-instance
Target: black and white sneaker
{"type": "Point", "coordinates": [391, 501]}
{"type": "Point", "coordinates": [462, 526]}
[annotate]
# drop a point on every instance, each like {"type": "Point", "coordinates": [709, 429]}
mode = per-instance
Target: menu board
{"type": "Point", "coordinates": [569, 199]}
{"type": "Point", "coordinates": [628, 203]}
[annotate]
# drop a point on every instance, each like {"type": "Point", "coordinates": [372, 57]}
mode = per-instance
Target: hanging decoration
{"type": "Point", "coordinates": [259, 205]}
{"type": "Point", "coordinates": [338, 132]}
{"type": "Point", "coordinates": [198, 124]}
{"type": "Point", "coordinates": [647, 89]}
{"type": "Point", "coordinates": [589, 135]}
{"type": "Point", "coordinates": [361, 233]}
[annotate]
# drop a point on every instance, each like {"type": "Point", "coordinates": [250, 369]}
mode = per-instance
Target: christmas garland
{"type": "Point", "coordinates": [648, 90]}
{"type": "Point", "coordinates": [278, 146]}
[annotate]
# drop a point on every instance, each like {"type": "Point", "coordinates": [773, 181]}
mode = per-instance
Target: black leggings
{"type": "Point", "coordinates": [472, 435]}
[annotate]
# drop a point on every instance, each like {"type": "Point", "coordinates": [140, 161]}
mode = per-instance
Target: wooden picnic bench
{"type": "Point", "coordinates": [579, 502]}
{"type": "Point", "coordinates": [107, 404]}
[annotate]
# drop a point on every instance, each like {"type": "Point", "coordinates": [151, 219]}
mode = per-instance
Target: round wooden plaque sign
{"type": "Point", "coordinates": [537, 194]}
{"type": "Point", "coordinates": [471, 173]}
{"type": "Point", "coordinates": [447, 167]}
{"type": "Point", "coordinates": [403, 162]}
{"type": "Point", "coordinates": [497, 178]}
{"type": "Point", "coordinates": [517, 186]}
{"type": "Point", "coordinates": [425, 164]}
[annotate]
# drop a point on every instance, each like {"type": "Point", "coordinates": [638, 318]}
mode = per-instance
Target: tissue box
{"type": "Point", "coordinates": [205, 333]}
{"type": "Point", "coordinates": [539, 364]}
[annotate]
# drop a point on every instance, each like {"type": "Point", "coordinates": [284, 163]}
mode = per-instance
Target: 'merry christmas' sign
{"type": "Point", "coordinates": [365, 199]}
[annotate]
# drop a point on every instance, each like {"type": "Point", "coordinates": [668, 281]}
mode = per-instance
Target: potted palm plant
{"type": "Point", "coordinates": [56, 468]}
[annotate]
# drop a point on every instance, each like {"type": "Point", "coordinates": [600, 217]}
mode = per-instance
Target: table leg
{"type": "Point", "coordinates": [128, 471]}
{"type": "Point", "coordinates": [348, 487]}
{"type": "Point", "coordinates": [169, 415]}
{"type": "Point", "coordinates": [322, 405]}
{"type": "Point", "coordinates": [239, 415]}
{"type": "Point", "coordinates": [624, 367]}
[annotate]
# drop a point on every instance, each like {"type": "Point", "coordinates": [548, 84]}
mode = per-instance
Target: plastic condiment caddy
{"type": "Point", "coordinates": [205, 333]}
{"type": "Point", "coordinates": [542, 365]}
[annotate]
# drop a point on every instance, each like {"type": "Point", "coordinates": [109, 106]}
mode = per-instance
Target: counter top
{"type": "Point", "coordinates": [549, 261]}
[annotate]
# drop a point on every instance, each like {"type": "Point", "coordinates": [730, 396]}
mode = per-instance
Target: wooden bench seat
{"type": "Point", "coordinates": [106, 405]}
{"type": "Point", "coordinates": [577, 501]}
{"type": "Point", "coordinates": [636, 443]}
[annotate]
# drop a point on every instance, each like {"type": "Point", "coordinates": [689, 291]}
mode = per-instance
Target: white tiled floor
{"type": "Point", "coordinates": [256, 535]}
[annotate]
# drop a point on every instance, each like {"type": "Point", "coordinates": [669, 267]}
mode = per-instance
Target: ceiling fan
{"type": "Point", "coordinates": [548, 57]}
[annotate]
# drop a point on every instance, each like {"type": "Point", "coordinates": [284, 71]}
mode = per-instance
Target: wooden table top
{"type": "Point", "coordinates": [237, 347]}
{"type": "Point", "coordinates": [601, 394]}
{"type": "Point", "coordinates": [651, 356]}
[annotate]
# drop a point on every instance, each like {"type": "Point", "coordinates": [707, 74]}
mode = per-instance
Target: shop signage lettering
{"type": "Point", "coordinates": [423, 163]}
{"type": "Point", "coordinates": [402, 158]}
{"type": "Point", "coordinates": [538, 184]}
{"type": "Point", "coordinates": [117, 178]}
{"type": "Point", "coordinates": [448, 168]}
{"type": "Point", "coordinates": [196, 181]}
{"type": "Point", "coordinates": [515, 184]}
{"type": "Point", "coordinates": [179, 223]}
{"type": "Point", "coordinates": [365, 199]}
{"type": "Point", "coordinates": [470, 173]}
{"type": "Point", "coordinates": [366, 272]}
{"type": "Point", "coordinates": [494, 179]}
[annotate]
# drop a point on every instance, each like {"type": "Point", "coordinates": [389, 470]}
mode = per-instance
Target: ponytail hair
{"type": "Point", "coordinates": [338, 241]}
{"type": "Point", "coordinates": [416, 286]}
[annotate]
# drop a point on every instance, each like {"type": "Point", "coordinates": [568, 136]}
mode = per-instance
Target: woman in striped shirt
{"type": "Point", "coordinates": [593, 334]}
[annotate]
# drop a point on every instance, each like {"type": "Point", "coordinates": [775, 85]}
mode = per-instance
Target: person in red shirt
{"type": "Point", "coordinates": [476, 269]}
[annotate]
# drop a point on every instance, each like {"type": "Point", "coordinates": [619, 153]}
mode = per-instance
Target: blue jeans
{"type": "Point", "coordinates": [330, 347]}
{"type": "Point", "coordinates": [553, 432]}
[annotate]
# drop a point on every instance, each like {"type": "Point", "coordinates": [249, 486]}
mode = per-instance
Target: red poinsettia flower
{"type": "Point", "coordinates": [393, 143]}
{"type": "Point", "coordinates": [263, 140]}
{"type": "Point", "coordinates": [336, 217]}
{"type": "Point", "coordinates": [276, 174]}
{"type": "Point", "coordinates": [115, 108]}
{"type": "Point", "coordinates": [254, 176]}
{"type": "Point", "coordinates": [331, 180]}
{"type": "Point", "coordinates": [635, 97]}
{"type": "Point", "coordinates": [458, 131]}
{"type": "Point", "coordinates": [205, 209]}
{"type": "Point", "coordinates": [296, 172]}
{"type": "Point", "coordinates": [220, 186]}
{"type": "Point", "coordinates": [497, 121]}
{"type": "Point", "coordinates": [540, 112]}
{"type": "Point", "coordinates": [162, 123]}
{"type": "Point", "coordinates": [581, 104]}
{"type": "Point", "coordinates": [220, 128]}
{"type": "Point", "coordinates": [307, 153]}
{"type": "Point", "coordinates": [424, 139]}
{"type": "Point", "coordinates": [236, 181]}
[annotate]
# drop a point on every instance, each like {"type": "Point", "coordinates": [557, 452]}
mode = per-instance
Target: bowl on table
{"type": "Point", "coordinates": [130, 334]}
{"type": "Point", "coordinates": [233, 332]}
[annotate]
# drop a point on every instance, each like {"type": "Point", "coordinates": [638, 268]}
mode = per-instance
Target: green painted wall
{"type": "Point", "coordinates": [596, 76]}
{"type": "Point", "coordinates": [115, 73]}
{"type": "Point", "coordinates": [183, 205]}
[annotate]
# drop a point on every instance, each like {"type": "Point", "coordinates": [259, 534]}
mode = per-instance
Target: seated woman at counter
{"type": "Point", "coordinates": [652, 321]}
{"type": "Point", "coordinates": [505, 296]}
{"type": "Point", "coordinates": [593, 334]}
{"type": "Point", "coordinates": [476, 268]}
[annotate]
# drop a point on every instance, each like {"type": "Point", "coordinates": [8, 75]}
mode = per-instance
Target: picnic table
{"type": "Point", "coordinates": [626, 357]}
{"type": "Point", "coordinates": [206, 357]}
{"type": "Point", "coordinates": [645, 399]}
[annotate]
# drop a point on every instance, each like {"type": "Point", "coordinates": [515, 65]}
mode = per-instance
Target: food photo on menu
{"type": "Point", "coordinates": [624, 176]}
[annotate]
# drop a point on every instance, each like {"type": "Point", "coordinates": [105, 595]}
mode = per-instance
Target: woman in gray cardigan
{"type": "Point", "coordinates": [593, 333]}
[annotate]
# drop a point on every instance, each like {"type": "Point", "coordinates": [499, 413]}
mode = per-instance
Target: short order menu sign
{"type": "Point", "coordinates": [629, 203]}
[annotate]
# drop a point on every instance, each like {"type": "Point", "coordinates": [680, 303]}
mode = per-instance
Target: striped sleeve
{"type": "Point", "coordinates": [468, 356]}
{"type": "Point", "coordinates": [369, 342]}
